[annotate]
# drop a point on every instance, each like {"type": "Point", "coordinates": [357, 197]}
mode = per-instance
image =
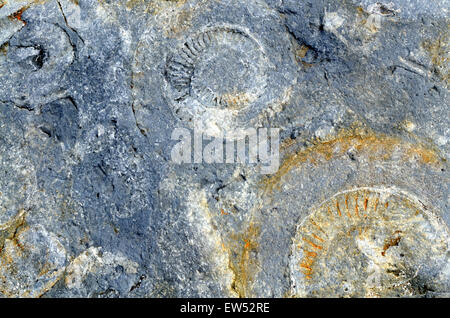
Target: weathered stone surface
{"type": "Point", "coordinates": [91, 204]}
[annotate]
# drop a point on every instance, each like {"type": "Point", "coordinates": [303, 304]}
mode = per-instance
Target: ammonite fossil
{"type": "Point", "coordinates": [370, 242]}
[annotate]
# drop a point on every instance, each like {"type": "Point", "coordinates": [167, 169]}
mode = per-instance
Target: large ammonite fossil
{"type": "Point", "coordinates": [370, 242]}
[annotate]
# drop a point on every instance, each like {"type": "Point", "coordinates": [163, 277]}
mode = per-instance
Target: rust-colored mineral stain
{"type": "Point", "coordinates": [4, 50]}
{"type": "Point", "coordinates": [346, 206]}
{"type": "Point", "coordinates": [330, 213]}
{"type": "Point", "coordinates": [318, 247]}
{"type": "Point", "coordinates": [241, 263]}
{"type": "Point", "coordinates": [317, 226]}
{"type": "Point", "coordinates": [311, 254]}
{"type": "Point", "coordinates": [18, 15]}
{"type": "Point", "coordinates": [374, 146]}
{"type": "Point", "coordinates": [391, 242]}
{"type": "Point", "coordinates": [356, 207]}
{"type": "Point", "coordinates": [305, 266]}
{"type": "Point", "coordinates": [376, 204]}
{"type": "Point", "coordinates": [318, 237]}
{"type": "Point", "coordinates": [338, 208]}
{"type": "Point", "coordinates": [300, 54]}
{"type": "Point", "coordinates": [309, 258]}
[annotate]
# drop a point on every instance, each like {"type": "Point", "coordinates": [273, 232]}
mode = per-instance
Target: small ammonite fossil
{"type": "Point", "coordinates": [370, 242]}
{"type": "Point", "coordinates": [218, 67]}
{"type": "Point", "coordinates": [37, 59]}
{"type": "Point", "coordinates": [228, 68]}
{"type": "Point", "coordinates": [215, 74]}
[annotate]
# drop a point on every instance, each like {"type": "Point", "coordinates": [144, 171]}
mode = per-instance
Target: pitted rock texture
{"type": "Point", "coordinates": [91, 204]}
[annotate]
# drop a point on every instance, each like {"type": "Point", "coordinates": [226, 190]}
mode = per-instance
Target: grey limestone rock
{"type": "Point", "coordinates": [92, 204]}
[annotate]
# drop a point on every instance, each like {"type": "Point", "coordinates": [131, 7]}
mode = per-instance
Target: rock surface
{"type": "Point", "coordinates": [92, 205]}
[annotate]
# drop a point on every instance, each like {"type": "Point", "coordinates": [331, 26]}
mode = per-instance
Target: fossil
{"type": "Point", "coordinates": [225, 75]}
{"type": "Point", "coordinates": [219, 67]}
{"type": "Point", "coordinates": [370, 242]}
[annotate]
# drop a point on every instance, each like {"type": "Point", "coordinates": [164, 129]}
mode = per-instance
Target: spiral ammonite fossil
{"type": "Point", "coordinates": [219, 67]}
{"type": "Point", "coordinates": [370, 242]}
{"type": "Point", "coordinates": [215, 75]}
{"type": "Point", "coordinates": [228, 74]}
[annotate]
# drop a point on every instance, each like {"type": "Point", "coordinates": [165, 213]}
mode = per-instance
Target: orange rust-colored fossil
{"type": "Point", "coordinates": [316, 249]}
{"type": "Point", "coordinates": [309, 258]}
{"type": "Point", "coordinates": [330, 213]}
{"type": "Point", "coordinates": [376, 204]}
{"type": "Point", "coordinates": [319, 247]}
{"type": "Point", "coordinates": [375, 147]}
{"type": "Point", "coordinates": [311, 254]}
{"type": "Point", "coordinates": [346, 206]}
{"type": "Point", "coordinates": [318, 237]}
{"type": "Point", "coordinates": [338, 209]}
{"type": "Point", "coordinates": [317, 226]}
